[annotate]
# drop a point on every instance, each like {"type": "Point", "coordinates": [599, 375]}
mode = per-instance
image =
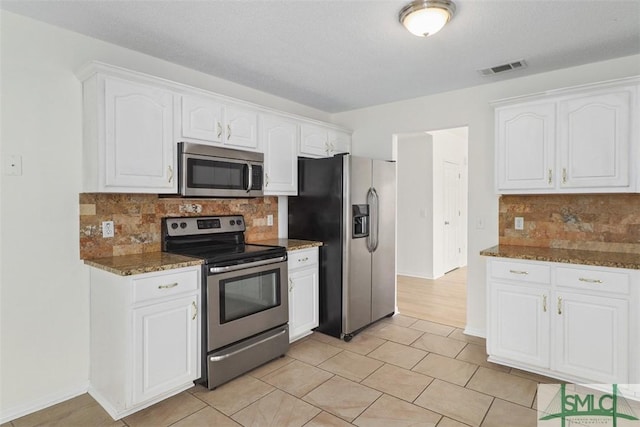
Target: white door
{"type": "Point", "coordinates": [280, 139]}
{"type": "Point", "coordinates": [519, 323]}
{"type": "Point", "coordinates": [165, 340]}
{"type": "Point", "coordinates": [592, 337]}
{"type": "Point", "coordinates": [139, 147]}
{"type": "Point", "coordinates": [242, 128]}
{"type": "Point", "coordinates": [451, 213]}
{"type": "Point", "coordinates": [202, 119]}
{"type": "Point", "coordinates": [526, 144]}
{"type": "Point", "coordinates": [303, 302]}
{"type": "Point", "coordinates": [594, 134]}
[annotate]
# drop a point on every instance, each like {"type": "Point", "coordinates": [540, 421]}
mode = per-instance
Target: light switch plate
{"type": "Point", "coordinates": [519, 223]}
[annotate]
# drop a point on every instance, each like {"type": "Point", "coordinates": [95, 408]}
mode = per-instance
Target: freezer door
{"type": "Point", "coordinates": [383, 266]}
{"type": "Point", "coordinates": [357, 272]}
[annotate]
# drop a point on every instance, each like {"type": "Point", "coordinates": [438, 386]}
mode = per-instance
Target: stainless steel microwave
{"type": "Point", "coordinates": [206, 171]}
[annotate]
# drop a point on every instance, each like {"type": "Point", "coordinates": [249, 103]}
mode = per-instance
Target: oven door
{"type": "Point", "coordinates": [206, 176]}
{"type": "Point", "coordinates": [244, 300]}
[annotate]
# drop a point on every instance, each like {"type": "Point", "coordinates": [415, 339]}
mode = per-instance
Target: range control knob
{"type": "Point", "coordinates": [239, 222]}
{"type": "Point", "coordinates": [183, 225]}
{"type": "Point", "coordinates": [232, 222]}
{"type": "Point", "coordinates": [174, 225]}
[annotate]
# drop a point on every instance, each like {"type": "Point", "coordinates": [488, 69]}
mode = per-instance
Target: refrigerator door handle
{"type": "Point", "coordinates": [370, 236]}
{"type": "Point", "coordinates": [374, 202]}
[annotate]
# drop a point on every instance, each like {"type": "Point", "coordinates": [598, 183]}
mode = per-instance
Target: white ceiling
{"type": "Point", "coordinates": [338, 55]}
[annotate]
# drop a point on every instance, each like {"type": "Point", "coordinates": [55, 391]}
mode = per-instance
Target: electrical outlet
{"type": "Point", "coordinates": [269, 220]}
{"type": "Point", "coordinates": [107, 229]}
{"type": "Point", "coordinates": [519, 223]}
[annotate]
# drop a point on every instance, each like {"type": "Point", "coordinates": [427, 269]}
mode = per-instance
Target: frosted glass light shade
{"type": "Point", "coordinates": [424, 18]}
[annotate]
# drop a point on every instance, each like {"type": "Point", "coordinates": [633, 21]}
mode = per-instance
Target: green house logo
{"type": "Point", "coordinates": [572, 407]}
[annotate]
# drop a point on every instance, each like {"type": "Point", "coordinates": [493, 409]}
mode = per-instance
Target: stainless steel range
{"type": "Point", "coordinates": [245, 299]}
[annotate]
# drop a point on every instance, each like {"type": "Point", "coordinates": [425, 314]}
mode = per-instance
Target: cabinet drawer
{"type": "Point", "coordinates": [520, 271]}
{"type": "Point", "coordinates": [596, 280]}
{"type": "Point", "coordinates": [164, 285]}
{"type": "Point", "coordinates": [303, 258]}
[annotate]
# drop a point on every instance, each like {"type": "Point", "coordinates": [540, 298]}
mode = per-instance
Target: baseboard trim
{"type": "Point", "coordinates": [42, 403]}
{"type": "Point", "coordinates": [481, 333]}
{"type": "Point", "coordinates": [416, 275]}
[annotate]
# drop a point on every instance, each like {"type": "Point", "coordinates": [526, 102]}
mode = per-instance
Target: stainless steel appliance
{"type": "Point", "coordinates": [206, 171]}
{"type": "Point", "coordinates": [349, 203]}
{"type": "Point", "coordinates": [245, 296]}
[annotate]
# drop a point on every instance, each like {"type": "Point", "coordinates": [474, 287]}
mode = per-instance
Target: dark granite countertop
{"type": "Point", "coordinates": [571, 256]}
{"type": "Point", "coordinates": [290, 244]}
{"type": "Point", "coordinates": [127, 265]}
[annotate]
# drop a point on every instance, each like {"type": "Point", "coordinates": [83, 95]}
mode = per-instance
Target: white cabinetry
{"type": "Point", "coordinates": [578, 140]}
{"type": "Point", "coordinates": [303, 292]}
{"type": "Point", "coordinates": [145, 337]}
{"type": "Point", "coordinates": [128, 136]}
{"type": "Point", "coordinates": [207, 120]}
{"type": "Point", "coordinates": [562, 320]}
{"type": "Point", "coordinates": [280, 142]}
{"type": "Point", "coordinates": [320, 141]}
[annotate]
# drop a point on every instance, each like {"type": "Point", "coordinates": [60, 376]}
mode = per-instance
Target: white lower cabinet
{"type": "Point", "coordinates": [303, 292]}
{"type": "Point", "coordinates": [145, 337]}
{"type": "Point", "coordinates": [566, 321]}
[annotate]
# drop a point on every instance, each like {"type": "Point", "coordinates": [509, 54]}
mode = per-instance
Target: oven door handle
{"type": "Point", "coordinates": [215, 270]}
{"type": "Point", "coordinates": [233, 353]}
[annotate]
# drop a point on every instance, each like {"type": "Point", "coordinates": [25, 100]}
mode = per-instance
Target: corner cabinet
{"type": "Point", "coordinates": [575, 141]}
{"type": "Point", "coordinates": [303, 293]}
{"type": "Point", "coordinates": [321, 141]}
{"type": "Point", "coordinates": [567, 321]}
{"type": "Point", "coordinates": [128, 136]}
{"type": "Point", "coordinates": [280, 141]}
{"type": "Point", "coordinates": [145, 337]}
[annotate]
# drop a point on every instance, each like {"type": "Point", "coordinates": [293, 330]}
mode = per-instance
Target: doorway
{"type": "Point", "coordinates": [432, 223]}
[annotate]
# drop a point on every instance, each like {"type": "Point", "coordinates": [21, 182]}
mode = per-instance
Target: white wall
{"type": "Point", "coordinates": [449, 146]}
{"type": "Point", "coordinates": [414, 199]}
{"type": "Point", "coordinates": [375, 126]}
{"type": "Point", "coordinates": [44, 355]}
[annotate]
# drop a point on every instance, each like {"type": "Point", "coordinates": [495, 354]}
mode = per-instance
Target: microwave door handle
{"type": "Point", "coordinates": [250, 172]}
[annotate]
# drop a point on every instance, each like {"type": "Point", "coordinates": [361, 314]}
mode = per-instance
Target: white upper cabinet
{"type": "Point", "coordinates": [128, 137]}
{"type": "Point", "coordinates": [206, 120]}
{"type": "Point", "coordinates": [594, 138]}
{"type": "Point", "coordinates": [280, 142]}
{"type": "Point", "coordinates": [320, 141]}
{"type": "Point", "coordinates": [575, 141]}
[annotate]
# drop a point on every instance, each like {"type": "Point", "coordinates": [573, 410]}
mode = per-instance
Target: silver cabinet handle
{"type": "Point", "coordinates": [290, 284]}
{"type": "Point", "coordinates": [564, 175]}
{"type": "Point", "coordinates": [169, 286]}
{"type": "Point", "coordinates": [584, 279]}
{"type": "Point", "coordinates": [446, 223]}
{"type": "Point", "coordinates": [519, 272]}
{"type": "Point", "coordinates": [219, 130]}
{"type": "Point", "coordinates": [266, 179]}
{"type": "Point", "coordinates": [303, 259]}
{"type": "Point", "coordinates": [195, 310]}
{"type": "Point", "coordinates": [228, 131]}
{"type": "Point", "coordinates": [550, 176]}
{"type": "Point", "coordinates": [170, 172]}
{"type": "Point", "coordinates": [544, 303]}
{"type": "Point", "coordinates": [559, 305]}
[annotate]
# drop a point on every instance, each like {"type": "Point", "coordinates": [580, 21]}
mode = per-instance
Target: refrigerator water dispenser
{"type": "Point", "coordinates": [360, 226]}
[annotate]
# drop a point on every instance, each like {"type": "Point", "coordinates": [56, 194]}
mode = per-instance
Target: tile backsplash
{"type": "Point", "coordinates": [137, 218]}
{"type": "Point", "coordinates": [603, 222]}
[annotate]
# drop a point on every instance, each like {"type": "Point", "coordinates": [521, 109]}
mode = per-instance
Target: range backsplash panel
{"type": "Point", "coordinates": [137, 218]}
{"type": "Point", "coordinates": [599, 222]}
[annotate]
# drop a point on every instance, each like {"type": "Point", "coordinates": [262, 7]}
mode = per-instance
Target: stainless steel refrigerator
{"type": "Point", "coordinates": [349, 203]}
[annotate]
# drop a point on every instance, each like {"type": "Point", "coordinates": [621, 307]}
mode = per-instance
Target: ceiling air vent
{"type": "Point", "coordinates": [503, 68]}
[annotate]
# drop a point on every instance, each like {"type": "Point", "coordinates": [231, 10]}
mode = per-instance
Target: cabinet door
{"type": "Point", "coordinates": [594, 140]}
{"type": "Point", "coordinates": [519, 323]}
{"type": "Point", "coordinates": [165, 341]}
{"type": "Point", "coordinates": [139, 148]}
{"type": "Point", "coordinates": [591, 339]}
{"type": "Point", "coordinates": [242, 128]}
{"type": "Point", "coordinates": [280, 139]}
{"type": "Point", "coordinates": [303, 302]}
{"type": "Point", "coordinates": [314, 141]}
{"type": "Point", "coordinates": [339, 142]}
{"type": "Point", "coordinates": [525, 147]}
{"type": "Point", "coordinates": [202, 119]}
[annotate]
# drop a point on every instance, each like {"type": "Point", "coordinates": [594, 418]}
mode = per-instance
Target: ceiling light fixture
{"type": "Point", "coordinates": [424, 18]}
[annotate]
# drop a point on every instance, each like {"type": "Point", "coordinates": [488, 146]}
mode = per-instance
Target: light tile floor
{"type": "Point", "coordinates": [401, 371]}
